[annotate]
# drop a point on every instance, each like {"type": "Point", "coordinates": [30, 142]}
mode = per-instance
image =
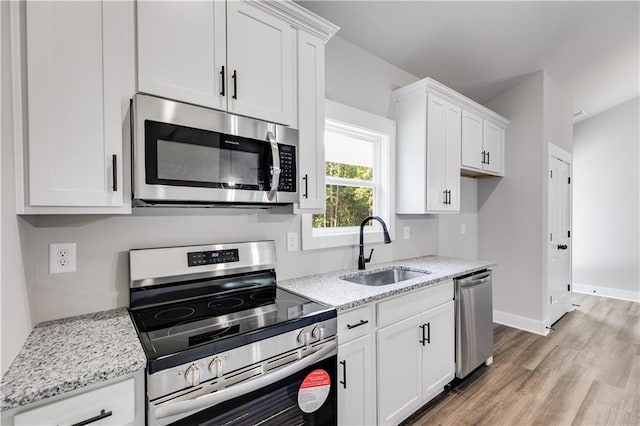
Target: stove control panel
{"type": "Point", "coordinates": [199, 258]}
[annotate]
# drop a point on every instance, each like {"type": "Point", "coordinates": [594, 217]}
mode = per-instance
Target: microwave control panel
{"type": "Point", "coordinates": [199, 258]}
{"type": "Point", "coordinates": [287, 168]}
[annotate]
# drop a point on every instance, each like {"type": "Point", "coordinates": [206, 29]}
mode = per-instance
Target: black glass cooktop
{"type": "Point", "coordinates": [181, 331]}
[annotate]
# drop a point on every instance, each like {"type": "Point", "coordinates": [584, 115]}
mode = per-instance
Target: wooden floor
{"type": "Point", "coordinates": [586, 372]}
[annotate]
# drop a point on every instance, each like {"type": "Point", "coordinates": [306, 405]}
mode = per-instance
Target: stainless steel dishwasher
{"type": "Point", "coordinates": [474, 322]}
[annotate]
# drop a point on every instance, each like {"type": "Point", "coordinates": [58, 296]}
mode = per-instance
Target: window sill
{"type": "Point", "coordinates": [325, 238]}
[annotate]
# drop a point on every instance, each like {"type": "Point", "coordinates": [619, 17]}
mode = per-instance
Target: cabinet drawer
{"type": "Point", "coordinates": [355, 323]}
{"type": "Point", "coordinates": [117, 399]}
{"type": "Point", "coordinates": [404, 306]}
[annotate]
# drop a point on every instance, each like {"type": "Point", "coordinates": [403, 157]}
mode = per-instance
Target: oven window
{"type": "Point", "coordinates": [198, 163]}
{"type": "Point", "coordinates": [273, 405]}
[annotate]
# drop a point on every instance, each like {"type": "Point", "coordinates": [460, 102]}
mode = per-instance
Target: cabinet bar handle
{"type": "Point", "coordinates": [483, 154]}
{"type": "Point", "coordinates": [114, 171]}
{"type": "Point", "coordinates": [423, 338]}
{"type": "Point", "coordinates": [362, 322]}
{"type": "Point", "coordinates": [222, 87]}
{"type": "Point", "coordinates": [103, 414]}
{"type": "Point", "coordinates": [428, 325]}
{"type": "Point", "coordinates": [343, 382]}
{"type": "Point", "coordinates": [488, 157]}
{"type": "Point", "coordinates": [235, 85]}
{"type": "Point", "coordinates": [306, 186]}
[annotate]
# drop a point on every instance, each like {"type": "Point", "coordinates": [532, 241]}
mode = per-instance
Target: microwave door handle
{"type": "Point", "coordinates": [275, 166]}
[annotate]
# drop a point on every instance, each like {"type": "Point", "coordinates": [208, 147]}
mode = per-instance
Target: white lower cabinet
{"type": "Point", "coordinates": [399, 370]}
{"type": "Point", "coordinates": [356, 382]}
{"type": "Point", "coordinates": [415, 350]}
{"type": "Point", "coordinates": [114, 404]}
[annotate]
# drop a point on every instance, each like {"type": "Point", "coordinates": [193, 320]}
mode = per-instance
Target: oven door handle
{"type": "Point", "coordinates": [275, 166]}
{"type": "Point", "coordinates": [212, 399]}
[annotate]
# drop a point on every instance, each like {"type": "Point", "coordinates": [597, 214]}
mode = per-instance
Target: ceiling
{"type": "Point", "coordinates": [481, 49]}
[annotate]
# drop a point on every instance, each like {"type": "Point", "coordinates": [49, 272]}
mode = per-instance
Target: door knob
{"type": "Point", "coordinates": [562, 246]}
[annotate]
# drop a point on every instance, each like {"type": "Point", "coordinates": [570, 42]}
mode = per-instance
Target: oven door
{"type": "Point", "coordinates": [301, 393]}
{"type": "Point", "coordinates": [184, 154]}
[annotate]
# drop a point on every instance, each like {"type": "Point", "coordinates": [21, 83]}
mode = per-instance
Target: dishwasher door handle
{"type": "Point", "coordinates": [475, 280]}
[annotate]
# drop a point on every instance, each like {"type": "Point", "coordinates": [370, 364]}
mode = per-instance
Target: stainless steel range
{"type": "Point", "coordinates": [225, 345]}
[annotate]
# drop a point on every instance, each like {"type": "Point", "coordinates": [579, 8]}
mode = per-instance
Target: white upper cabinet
{"type": "Point", "coordinates": [79, 75]}
{"type": "Point", "coordinates": [482, 145]}
{"type": "Point", "coordinates": [442, 134]}
{"type": "Point", "coordinates": [472, 152]}
{"type": "Point", "coordinates": [311, 176]}
{"type": "Point", "coordinates": [234, 56]}
{"type": "Point", "coordinates": [260, 57]}
{"type": "Point", "coordinates": [182, 51]}
{"type": "Point", "coordinates": [493, 144]}
{"type": "Point", "coordinates": [428, 151]}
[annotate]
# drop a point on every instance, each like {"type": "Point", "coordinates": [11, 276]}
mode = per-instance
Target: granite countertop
{"type": "Point", "coordinates": [63, 355]}
{"type": "Point", "coordinates": [331, 290]}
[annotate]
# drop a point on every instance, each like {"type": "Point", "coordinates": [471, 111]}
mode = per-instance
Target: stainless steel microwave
{"type": "Point", "coordinates": [189, 155]}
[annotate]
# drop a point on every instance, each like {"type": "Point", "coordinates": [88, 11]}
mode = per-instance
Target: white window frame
{"type": "Point", "coordinates": [342, 118]}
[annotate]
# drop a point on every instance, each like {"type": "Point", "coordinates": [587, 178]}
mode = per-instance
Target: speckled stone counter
{"type": "Point", "coordinates": [63, 355]}
{"type": "Point", "coordinates": [331, 290]}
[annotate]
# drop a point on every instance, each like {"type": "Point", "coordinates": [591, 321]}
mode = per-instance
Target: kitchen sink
{"type": "Point", "coordinates": [385, 276]}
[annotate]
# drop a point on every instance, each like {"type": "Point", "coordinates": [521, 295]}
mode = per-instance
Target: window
{"type": "Point", "coordinates": [358, 168]}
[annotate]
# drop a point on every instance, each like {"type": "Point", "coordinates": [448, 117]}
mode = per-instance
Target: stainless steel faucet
{"type": "Point", "coordinates": [387, 240]}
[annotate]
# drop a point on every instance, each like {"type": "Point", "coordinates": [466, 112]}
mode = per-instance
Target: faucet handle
{"type": "Point", "coordinates": [368, 259]}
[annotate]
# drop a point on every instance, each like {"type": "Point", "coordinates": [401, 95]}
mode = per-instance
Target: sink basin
{"type": "Point", "coordinates": [385, 276]}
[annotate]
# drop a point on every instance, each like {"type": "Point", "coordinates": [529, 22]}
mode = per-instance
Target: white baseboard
{"type": "Point", "coordinates": [613, 293]}
{"type": "Point", "coordinates": [522, 323]}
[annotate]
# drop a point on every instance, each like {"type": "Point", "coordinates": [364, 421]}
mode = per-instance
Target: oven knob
{"type": "Point", "coordinates": [304, 337]}
{"type": "Point", "coordinates": [318, 332]}
{"type": "Point", "coordinates": [215, 367]}
{"type": "Point", "coordinates": [192, 375]}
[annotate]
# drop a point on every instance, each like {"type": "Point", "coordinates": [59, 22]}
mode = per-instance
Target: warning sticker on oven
{"type": "Point", "coordinates": [314, 390]}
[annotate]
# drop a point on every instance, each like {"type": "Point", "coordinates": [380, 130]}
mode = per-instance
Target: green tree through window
{"type": "Point", "coordinates": [346, 205]}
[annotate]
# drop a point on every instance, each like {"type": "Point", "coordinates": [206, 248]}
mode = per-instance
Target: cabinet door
{"type": "Point", "coordinates": [311, 170]}
{"type": "Point", "coordinates": [436, 140]}
{"type": "Point", "coordinates": [493, 138]}
{"type": "Point", "coordinates": [453, 123]}
{"type": "Point", "coordinates": [471, 140]}
{"type": "Point", "coordinates": [182, 50]}
{"type": "Point", "coordinates": [438, 361]}
{"type": "Point", "coordinates": [356, 387]}
{"type": "Point", "coordinates": [260, 56]}
{"type": "Point", "coordinates": [75, 76]}
{"type": "Point", "coordinates": [399, 370]}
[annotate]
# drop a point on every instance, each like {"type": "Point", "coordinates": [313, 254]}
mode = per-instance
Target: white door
{"type": "Point", "coordinates": [472, 155]}
{"type": "Point", "coordinates": [182, 51]}
{"type": "Point", "coordinates": [453, 123]}
{"type": "Point", "coordinates": [492, 146]}
{"type": "Point", "coordinates": [399, 370]}
{"type": "Point", "coordinates": [75, 76]}
{"type": "Point", "coordinates": [559, 246]}
{"type": "Point", "coordinates": [311, 165]}
{"type": "Point", "coordinates": [436, 139]}
{"type": "Point", "coordinates": [438, 366]}
{"type": "Point", "coordinates": [356, 383]}
{"type": "Point", "coordinates": [260, 56]}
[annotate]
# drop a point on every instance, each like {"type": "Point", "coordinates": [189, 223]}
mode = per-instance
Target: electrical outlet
{"type": "Point", "coordinates": [292, 241]}
{"type": "Point", "coordinates": [62, 258]}
{"type": "Point", "coordinates": [407, 232]}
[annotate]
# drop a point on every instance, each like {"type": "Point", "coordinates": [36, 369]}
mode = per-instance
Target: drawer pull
{"type": "Point", "coordinates": [362, 322]}
{"type": "Point", "coordinates": [103, 414]}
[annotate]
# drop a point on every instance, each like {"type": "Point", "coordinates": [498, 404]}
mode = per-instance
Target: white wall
{"type": "Point", "coordinates": [15, 312]}
{"type": "Point", "coordinates": [606, 252]}
{"type": "Point", "coordinates": [354, 77]}
{"type": "Point", "coordinates": [452, 242]}
{"type": "Point", "coordinates": [510, 208]}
